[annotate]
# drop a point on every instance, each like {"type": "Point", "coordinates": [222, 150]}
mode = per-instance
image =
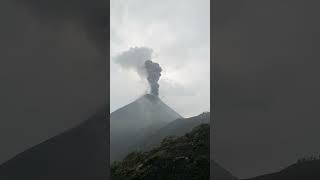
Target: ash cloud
{"type": "Point", "coordinates": [134, 59]}
{"type": "Point", "coordinates": [153, 73]}
{"type": "Point", "coordinates": [138, 59]}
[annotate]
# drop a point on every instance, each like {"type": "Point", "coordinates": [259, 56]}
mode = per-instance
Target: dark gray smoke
{"type": "Point", "coordinates": [153, 76]}
{"type": "Point", "coordinates": [138, 59]}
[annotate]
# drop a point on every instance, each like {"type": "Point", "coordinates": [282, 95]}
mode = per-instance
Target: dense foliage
{"type": "Point", "coordinates": [177, 158]}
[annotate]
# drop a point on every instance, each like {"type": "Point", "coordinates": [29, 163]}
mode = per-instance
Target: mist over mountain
{"type": "Point", "coordinates": [135, 121]}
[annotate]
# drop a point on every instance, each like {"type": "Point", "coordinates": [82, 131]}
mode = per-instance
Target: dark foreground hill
{"type": "Point", "coordinates": [307, 170]}
{"type": "Point", "coordinates": [79, 154]}
{"type": "Point", "coordinates": [171, 157]}
{"type": "Point", "coordinates": [186, 157]}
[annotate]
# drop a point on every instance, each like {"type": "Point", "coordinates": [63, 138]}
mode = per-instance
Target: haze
{"type": "Point", "coordinates": [178, 32]}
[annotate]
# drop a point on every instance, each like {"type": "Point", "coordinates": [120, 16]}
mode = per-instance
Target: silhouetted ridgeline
{"type": "Point", "coordinates": [302, 170]}
{"type": "Point", "coordinates": [78, 154]}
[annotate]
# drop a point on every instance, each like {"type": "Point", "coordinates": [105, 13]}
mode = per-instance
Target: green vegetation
{"type": "Point", "coordinates": [177, 158]}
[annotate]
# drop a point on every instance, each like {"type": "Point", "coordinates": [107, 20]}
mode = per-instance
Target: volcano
{"type": "Point", "coordinates": [135, 121]}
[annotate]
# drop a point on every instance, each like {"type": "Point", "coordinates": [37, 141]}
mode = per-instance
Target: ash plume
{"type": "Point", "coordinates": [138, 59]}
{"type": "Point", "coordinates": [153, 73]}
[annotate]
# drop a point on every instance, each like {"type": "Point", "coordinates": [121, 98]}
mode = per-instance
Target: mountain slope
{"type": "Point", "coordinates": [309, 170]}
{"type": "Point", "coordinates": [185, 157]}
{"type": "Point", "coordinates": [178, 127]}
{"type": "Point", "coordinates": [220, 173]}
{"type": "Point", "coordinates": [80, 153]}
{"type": "Point", "coordinates": [165, 146]}
{"type": "Point", "coordinates": [135, 121]}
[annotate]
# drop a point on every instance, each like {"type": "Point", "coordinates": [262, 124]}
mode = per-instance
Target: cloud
{"type": "Point", "coordinates": [139, 59]}
{"type": "Point", "coordinates": [180, 39]}
{"type": "Point", "coordinates": [134, 58]}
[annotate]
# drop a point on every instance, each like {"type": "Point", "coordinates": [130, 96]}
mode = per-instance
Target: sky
{"type": "Point", "coordinates": [178, 32]}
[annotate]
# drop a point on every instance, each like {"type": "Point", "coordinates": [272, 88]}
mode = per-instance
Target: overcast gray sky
{"type": "Point", "coordinates": [179, 34]}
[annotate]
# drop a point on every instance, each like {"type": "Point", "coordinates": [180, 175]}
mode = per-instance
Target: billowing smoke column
{"type": "Point", "coordinates": [153, 76]}
{"type": "Point", "coordinates": [138, 59]}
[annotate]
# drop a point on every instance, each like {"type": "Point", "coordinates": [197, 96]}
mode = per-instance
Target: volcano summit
{"type": "Point", "coordinates": [135, 121]}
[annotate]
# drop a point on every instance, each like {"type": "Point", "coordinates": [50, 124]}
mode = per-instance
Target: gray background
{"type": "Point", "coordinates": [53, 69]}
{"type": "Point", "coordinates": [267, 84]}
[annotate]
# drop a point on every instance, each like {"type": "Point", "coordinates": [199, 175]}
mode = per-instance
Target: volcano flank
{"type": "Point", "coordinates": [135, 121]}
